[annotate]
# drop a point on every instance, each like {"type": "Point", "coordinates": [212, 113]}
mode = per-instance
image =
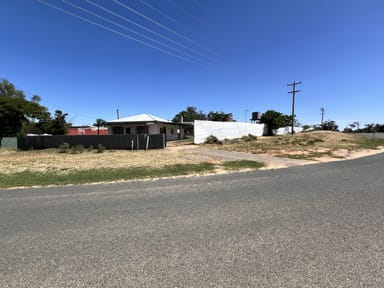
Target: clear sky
{"type": "Point", "coordinates": [160, 56]}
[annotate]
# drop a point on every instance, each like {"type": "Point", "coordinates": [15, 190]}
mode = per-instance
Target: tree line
{"type": "Point", "coordinates": [369, 128]}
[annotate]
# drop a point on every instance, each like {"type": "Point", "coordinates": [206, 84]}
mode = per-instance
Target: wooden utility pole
{"type": "Point", "coordinates": [294, 91]}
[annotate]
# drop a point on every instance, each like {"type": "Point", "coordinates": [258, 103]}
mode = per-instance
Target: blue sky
{"type": "Point", "coordinates": [235, 56]}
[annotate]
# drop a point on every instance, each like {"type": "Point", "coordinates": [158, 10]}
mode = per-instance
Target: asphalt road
{"type": "Point", "coordinates": [309, 226]}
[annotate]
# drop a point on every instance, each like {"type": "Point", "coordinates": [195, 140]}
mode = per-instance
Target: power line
{"type": "Point", "coordinates": [153, 21]}
{"type": "Point", "coordinates": [182, 46]}
{"type": "Point", "coordinates": [162, 26]}
{"type": "Point", "coordinates": [116, 32]}
{"type": "Point", "coordinates": [181, 24]}
{"type": "Point", "coordinates": [161, 13]}
{"type": "Point", "coordinates": [185, 11]}
{"type": "Point", "coordinates": [130, 30]}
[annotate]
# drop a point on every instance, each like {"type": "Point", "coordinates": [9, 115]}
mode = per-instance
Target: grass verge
{"type": "Point", "coordinates": [29, 178]}
{"type": "Point", "coordinates": [369, 143]}
{"type": "Point", "coordinates": [242, 164]}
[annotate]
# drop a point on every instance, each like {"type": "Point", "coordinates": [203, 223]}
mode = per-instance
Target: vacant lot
{"type": "Point", "coordinates": [318, 145]}
{"type": "Point", "coordinates": [315, 146]}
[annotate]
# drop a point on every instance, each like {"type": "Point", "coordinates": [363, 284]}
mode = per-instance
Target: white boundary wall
{"type": "Point", "coordinates": [225, 130]}
{"type": "Point", "coordinates": [287, 130]}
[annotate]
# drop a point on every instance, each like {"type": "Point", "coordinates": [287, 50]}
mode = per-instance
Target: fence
{"type": "Point", "coordinates": [133, 142]}
{"type": "Point", "coordinates": [8, 142]}
{"type": "Point", "coordinates": [225, 130]}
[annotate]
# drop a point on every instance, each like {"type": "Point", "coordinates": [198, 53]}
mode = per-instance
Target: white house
{"type": "Point", "coordinates": [147, 124]}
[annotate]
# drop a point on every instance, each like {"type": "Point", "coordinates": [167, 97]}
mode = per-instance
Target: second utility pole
{"type": "Point", "coordinates": [294, 91]}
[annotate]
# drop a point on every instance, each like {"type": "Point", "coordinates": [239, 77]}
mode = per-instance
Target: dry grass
{"type": "Point", "coordinates": [310, 146]}
{"type": "Point", "coordinates": [315, 145]}
{"type": "Point", "coordinates": [50, 160]}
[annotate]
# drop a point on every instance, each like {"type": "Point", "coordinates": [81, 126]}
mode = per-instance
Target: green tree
{"type": "Point", "coordinates": [189, 115]}
{"type": "Point", "coordinates": [330, 126]}
{"type": "Point", "coordinates": [59, 124]}
{"type": "Point", "coordinates": [219, 116]}
{"type": "Point", "coordinates": [274, 120]}
{"type": "Point", "coordinates": [15, 111]}
{"type": "Point", "coordinates": [99, 123]}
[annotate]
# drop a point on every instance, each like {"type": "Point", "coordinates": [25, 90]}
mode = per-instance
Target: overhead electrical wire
{"type": "Point", "coordinates": [186, 52]}
{"type": "Point", "coordinates": [153, 21]}
{"type": "Point", "coordinates": [175, 20]}
{"type": "Point", "coordinates": [116, 32]}
{"type": "Point", "coordinates": [185, 11]}
{"type": "Point", "coordinates": [161, 13]}
{"type": "Point", "coordinates": [162, 26]}
{"type": "Point", "coordinates": [182, 46]}
{"type": "Point", "coordinates": [130, 30]}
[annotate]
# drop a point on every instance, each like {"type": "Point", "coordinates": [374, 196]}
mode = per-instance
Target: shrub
{"type": "Point", "coordinates": [249, 138]}
{"type": "Point", "coordinates": [63, 148]}
{"type": "Point", "coordinates": [79, 148]}
{"type": "Point", "coordinates": [90, 148]}
{"type": "Point", "coordinates": [100, 148]}
{"type": "Point", "coordinates": [212, 140]}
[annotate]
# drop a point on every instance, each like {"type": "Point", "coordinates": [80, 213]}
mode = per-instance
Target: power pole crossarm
{"type": "Point", "coordinates": [293, 92]}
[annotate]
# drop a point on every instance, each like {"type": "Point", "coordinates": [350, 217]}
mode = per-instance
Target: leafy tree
{"type": "Point", "coordinates": [274, 120]}
{"type": "Point", "coordinates": [99, 123]}
{"type": "Point", "coordinates": [219, 116]}
{"type": "Point", "coordinates": [15, 111]}
{"type": "Point", "coordinates": [59, 124]}
{"type": "Point", "coordinates": [189, 115]}
{"type": "Point", "coordinates": [330, 126]}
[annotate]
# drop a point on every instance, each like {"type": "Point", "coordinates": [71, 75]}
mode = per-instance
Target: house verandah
{"type": "Point", "coordinates": [147, 124]}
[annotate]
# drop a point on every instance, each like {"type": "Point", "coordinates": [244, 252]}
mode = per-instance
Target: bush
{"type": "Point", "coordinates": [90, 148]}
{"type": "Point", "coordinates": [249, 138]}
{"type": "Point", "coordinates": [100, 148]}
{"type": "Point", "coordinates": [79, 148]}
{"type": "Point", "coordinates": [63, 148]}
{"type": "Point", "coordinates": [212, 140]}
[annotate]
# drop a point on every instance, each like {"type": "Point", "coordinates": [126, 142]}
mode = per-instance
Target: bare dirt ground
{"type": "Point", "coordinates": [275, 152]}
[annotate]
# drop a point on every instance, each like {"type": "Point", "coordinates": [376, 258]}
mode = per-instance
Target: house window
{"type": "Point", "coordinates": [163, 130]}
{"type": "Point", "coordinates": [117, 130]}
{"type": "Point", "coordinates": [127, 130]}
{"type": "Point", "coordinates": [172, 131]}
{"type": "Point", "coordinates": [142, 129]}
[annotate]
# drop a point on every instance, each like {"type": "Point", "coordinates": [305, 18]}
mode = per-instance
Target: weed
{"type": "Point", "coordinates": [249, 138]}
{"type": "Point", "coordinates": [212, 140]}
{"type": "Point", "coordinates": [64, 148]}
{"type": "Point", "coordinates": [100, 148]}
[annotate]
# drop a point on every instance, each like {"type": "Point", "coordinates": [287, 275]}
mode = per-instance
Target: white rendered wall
{"type": "Point", "coordinates": [287, 130]}
{"type": "Point", "coordinates": [225, 130]}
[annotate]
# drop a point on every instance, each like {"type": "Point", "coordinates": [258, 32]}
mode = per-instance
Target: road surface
{"type": "Point", "coordinates": [308, 226]}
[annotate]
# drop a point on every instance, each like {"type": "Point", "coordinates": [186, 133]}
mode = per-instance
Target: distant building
{"type": "Point", "coordinates": [87, 130]}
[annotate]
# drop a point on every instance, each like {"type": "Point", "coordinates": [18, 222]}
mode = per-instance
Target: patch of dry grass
{"type": "Point", "coordinates": [310, 145]}
{"type": "Point", "coordinates": [49, 160]}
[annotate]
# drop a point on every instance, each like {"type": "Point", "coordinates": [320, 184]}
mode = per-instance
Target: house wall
{"type": "Point", "coordinates": [171, 131]}
{"type": "Point", "coordinates": [225, 130]}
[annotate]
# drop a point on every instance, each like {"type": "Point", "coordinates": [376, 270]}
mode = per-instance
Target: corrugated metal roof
{"type": "Point", "coordinates": [140, 118]}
